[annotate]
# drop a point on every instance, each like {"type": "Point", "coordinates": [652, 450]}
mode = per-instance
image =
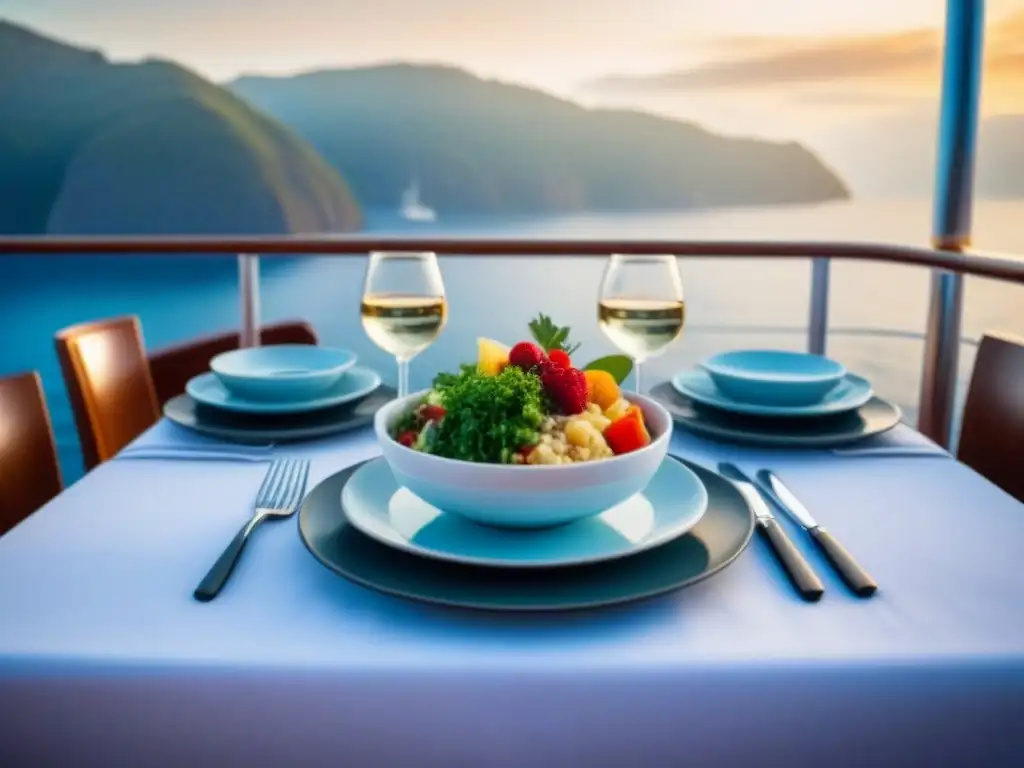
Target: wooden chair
{"type": "Point", "coordinates": [29, 470]}
{"type": "Point", "coordinates": [109, 384]}
{"type": "Point", "coordinates": [992, 435]}
{"type": "Point", "coordinates": [117, 392]}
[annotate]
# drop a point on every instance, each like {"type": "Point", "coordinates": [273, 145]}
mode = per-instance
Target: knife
{"type": "Point", "coordinates": [856, 578]}
{"type": "Point", "coordinates": [797, 569]}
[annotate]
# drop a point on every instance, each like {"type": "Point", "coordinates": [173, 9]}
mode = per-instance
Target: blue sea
{"type": "Point", "coordinates": [877, 311]}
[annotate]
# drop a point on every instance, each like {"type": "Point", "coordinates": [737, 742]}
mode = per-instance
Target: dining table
{"type": "Point", "coordinates": [106, 659]}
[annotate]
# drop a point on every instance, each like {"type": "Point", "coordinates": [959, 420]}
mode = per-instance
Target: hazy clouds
{"type": "Point", "coordinates": [796, 61]}
{"type": "Point", "coordinates": [873, 68]}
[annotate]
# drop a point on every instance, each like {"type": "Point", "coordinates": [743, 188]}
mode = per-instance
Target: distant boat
{"type": "Point", "coordinates": [414, 210]}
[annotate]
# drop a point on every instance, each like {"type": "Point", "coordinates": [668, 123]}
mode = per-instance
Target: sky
{"type": "Point", "coordinates": [786, 69]}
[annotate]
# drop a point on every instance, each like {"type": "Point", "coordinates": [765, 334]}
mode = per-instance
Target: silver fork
{"type": "Point", "coordinates": [278, 497]}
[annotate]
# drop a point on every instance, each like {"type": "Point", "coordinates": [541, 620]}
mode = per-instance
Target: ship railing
{"type": "Point", "coordinates": [942, 332]}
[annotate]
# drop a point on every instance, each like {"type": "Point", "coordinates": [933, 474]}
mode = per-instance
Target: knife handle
{"type": "Point", "coordinates": [797, 569]}
{"type": "Point", "coordinates": [856, 578]}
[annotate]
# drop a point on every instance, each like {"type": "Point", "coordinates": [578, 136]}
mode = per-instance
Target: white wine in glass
{"type": "Point", "coordinates": [641, 307]}
{"type": "Point", "coordinates": [403, 308]}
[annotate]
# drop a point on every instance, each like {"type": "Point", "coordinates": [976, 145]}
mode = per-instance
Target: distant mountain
{"type": "Point", "coordinates": [895, 155]}
{"type": "Point", "coordinates": [92, 147]}
{"type": "Point", "coordinates": [483, 147]}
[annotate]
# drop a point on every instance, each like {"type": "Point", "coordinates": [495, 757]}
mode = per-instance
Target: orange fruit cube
{"type": "Point", "coordinates": [627, 434]}
{"type": "Point", "coordinates": [602, 388]}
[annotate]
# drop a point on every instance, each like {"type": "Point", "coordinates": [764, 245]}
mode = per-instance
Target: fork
{"type": "Point", "coordinates": [278, 498]}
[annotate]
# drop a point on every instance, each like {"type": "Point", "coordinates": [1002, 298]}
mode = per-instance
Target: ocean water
{"type": "Point", "coordinates": [876, 320]}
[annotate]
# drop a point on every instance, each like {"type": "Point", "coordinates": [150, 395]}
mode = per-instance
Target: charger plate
{"type": "Point", "coordinates": [722, 533]}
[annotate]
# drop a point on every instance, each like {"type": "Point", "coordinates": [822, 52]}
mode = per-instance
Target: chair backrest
{"type": "Point", "coordinates": [992, 435]}
{"type": "Point", "coordinates": [29, 471]}
{"type": "Point", "coordinates": [109, 384]}
{"type": "Point", "coordinates": [172, 367]}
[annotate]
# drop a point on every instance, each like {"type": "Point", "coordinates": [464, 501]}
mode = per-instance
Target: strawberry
{"type": "Point", "coordinates": [560, 358]}
{"type": "Point", "coordinates": [526, 356]}
{"type": "Point", "coordinates": [567, 388]}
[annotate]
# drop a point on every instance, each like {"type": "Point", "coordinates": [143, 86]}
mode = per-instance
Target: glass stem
{"type": "Point", "coordinates": [403, 376]}
{"type": "Point", "coordinates": [636, 377]}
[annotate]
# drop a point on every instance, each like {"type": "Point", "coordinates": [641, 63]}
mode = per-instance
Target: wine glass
{"type": "Point", "coordinates": [403, 307]}
{"type": "Point", "coordinates": [640, 305]}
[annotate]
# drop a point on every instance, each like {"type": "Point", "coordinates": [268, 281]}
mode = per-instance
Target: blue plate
{"type": "Point", "coordinates": [263, 428]}
{"type": "Point", "coordinates": [357, 382]}
{"type": "Point", "coordinates": [851, 393]}
{"type": "Point", "coordinates": [282, 371]}
{"type": "Point", "coordinates": [711, 545]}
{"type": "Point", "coordinates": [374, 503]}
{"type": "Point", "coordinates": [773, 376]}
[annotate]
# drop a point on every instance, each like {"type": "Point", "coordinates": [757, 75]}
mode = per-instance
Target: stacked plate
{"type": "Point", "coordinates": [688, 525]}
{"type": "Point", "coordinates": [278, 393]}
{"type": "Point", "coordinates": [520, 537]}
{"type": "Point", "coordinates": [774, 397]}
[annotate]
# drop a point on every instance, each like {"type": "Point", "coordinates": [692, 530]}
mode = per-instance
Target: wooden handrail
{"type": "Point", "coordinates": [1001, 267]}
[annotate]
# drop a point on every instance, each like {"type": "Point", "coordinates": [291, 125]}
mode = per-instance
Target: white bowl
{"type": "Point", "coordinates": [282, 372]}
{"type": "Point", "coordinates": [773, 377]}
{"type": "Point", "coordinates": [524, 496]}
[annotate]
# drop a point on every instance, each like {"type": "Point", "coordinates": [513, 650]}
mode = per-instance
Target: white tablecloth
{"type": "Point", "coordinates": [105, 658]}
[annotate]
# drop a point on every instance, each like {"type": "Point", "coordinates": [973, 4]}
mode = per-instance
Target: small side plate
{"type": "Point", "coordinates": [357, 382]}
{"type": "Point", "coordinates": [873, 418]}
{"type": "Point", "coordinates": [276, 428]}
{"type": "Point", "coordinates": [851, 393]}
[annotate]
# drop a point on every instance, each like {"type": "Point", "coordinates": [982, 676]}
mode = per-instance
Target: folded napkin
{"type": "Point", "coordinates": [192, 454]}
{"type": "Point", "coordinates": [168, 439]}
{"type": "Point", "coordinates": [902, 441]}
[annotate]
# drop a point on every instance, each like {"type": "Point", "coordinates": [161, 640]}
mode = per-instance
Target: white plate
{"type": "Point", "coordinates": [356, 383]}
{"type": "Point", "coordinates": [373, 502]}
{"type": "Point", "coordinates": [851, 393]}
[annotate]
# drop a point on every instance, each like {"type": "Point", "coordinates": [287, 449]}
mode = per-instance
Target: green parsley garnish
{"type": "Point", "coordinates": [488, 418]}
{"type": "Point", "coordinates": [549, 336]}
{"type": "Point", "coordinates": [444, 379]}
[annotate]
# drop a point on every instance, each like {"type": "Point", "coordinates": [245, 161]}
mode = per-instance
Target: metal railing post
{"type": "Point", "coordinates": [817, 328]}
{"type": "Point", "coordinates": [951, 228]}
{"type": "Point", "coordinates": [249, 298]}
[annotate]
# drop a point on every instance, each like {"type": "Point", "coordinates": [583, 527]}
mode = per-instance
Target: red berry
{"type": "Point", "coordinates": [526, 356]}
{"type": "Point", "coordinates": [567, 388]}
{"type": "Point", "coordinates": [407, 438]}
{"type": "Point", "coordinates": [432, 412]}
{"type": "Point", "coordinates": [560, 358]}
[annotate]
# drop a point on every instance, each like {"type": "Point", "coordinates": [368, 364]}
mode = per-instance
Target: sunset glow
{"type": "Point", "coordinates": [800, 70]}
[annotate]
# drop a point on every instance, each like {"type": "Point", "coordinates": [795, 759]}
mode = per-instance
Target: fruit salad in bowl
{"type": "Point", "coordinates": [524, 438]}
